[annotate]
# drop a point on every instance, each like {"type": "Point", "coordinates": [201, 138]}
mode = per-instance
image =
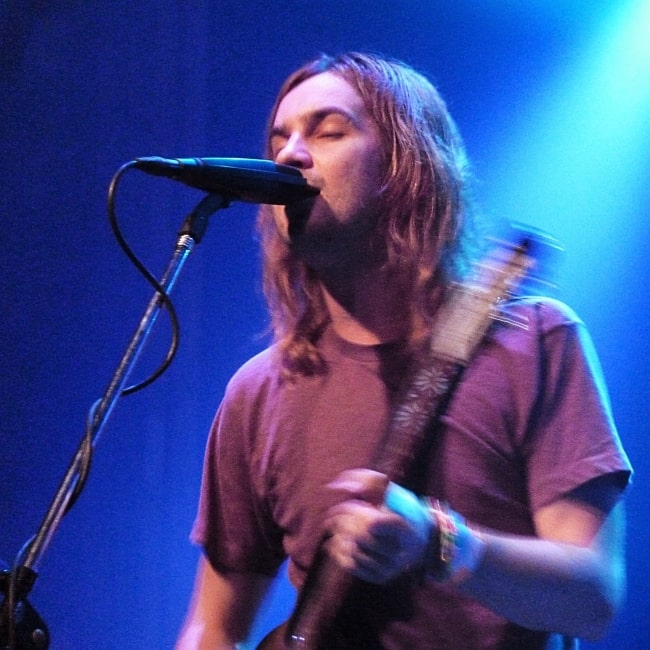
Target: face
{"type": "Point", "coordinates": [322, 128]}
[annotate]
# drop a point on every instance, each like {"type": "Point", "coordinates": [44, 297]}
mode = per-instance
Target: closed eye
{"type": "Point", "coordinates": [276, 143]}
{"type": "Point", "coordinates": [331, 124]}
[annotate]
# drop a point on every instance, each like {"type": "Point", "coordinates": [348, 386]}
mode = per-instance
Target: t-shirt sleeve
{"type": "Point", "coordinates": [573, 438]}
{"type": "Point", "coordinates": [234, 524]}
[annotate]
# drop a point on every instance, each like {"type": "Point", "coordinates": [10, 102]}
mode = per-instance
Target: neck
{"type": "Point", "coordinates": [368, 310]}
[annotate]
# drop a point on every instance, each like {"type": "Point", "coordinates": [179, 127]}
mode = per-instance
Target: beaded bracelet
{"type": "Point", "coordinates": [454, 553]}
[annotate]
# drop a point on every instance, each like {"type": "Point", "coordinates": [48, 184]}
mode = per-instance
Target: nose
{"type": "Point", "coordinates": [294, 152]}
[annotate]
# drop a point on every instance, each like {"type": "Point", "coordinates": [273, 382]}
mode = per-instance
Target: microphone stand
{"type": "Point", "coordinates": [30, 632]}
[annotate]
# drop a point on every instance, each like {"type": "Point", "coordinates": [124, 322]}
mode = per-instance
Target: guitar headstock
{"type": "Point", "coordinates": [499, 276]}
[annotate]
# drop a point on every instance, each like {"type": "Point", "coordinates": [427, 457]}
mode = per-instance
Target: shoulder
{"type": "Point", "coordinates": [248, 392]}
{"type": "Point", "coordinates": [529, 319]}
{"type": "Point", "coordinates": [254, 376]}
{"type": "Point", "coordinates": [540, 312]}
{"type": "Point", "coordinates": [533, 330]}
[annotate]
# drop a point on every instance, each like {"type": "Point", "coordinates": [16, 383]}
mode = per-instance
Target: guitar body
{"type": "Point", "coordinates": [319, 618]}
{"type": "Point", "coordinates": [281, 638]}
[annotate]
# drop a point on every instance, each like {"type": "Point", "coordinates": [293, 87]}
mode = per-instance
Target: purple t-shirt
{"type": "Point", "coordinates": [528, 422]}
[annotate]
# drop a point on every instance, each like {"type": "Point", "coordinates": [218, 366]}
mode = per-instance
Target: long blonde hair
{"type": "Point", "coordinates": [424, 213]}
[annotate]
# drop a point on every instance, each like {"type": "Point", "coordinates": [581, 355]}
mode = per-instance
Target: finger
{"type": "Point", "coordinates": [343, 551]}
{"type": "Point", "coordinates": [355, 518]}
{"type": "Point", "coordinates": [362, 519]}
{"type": "Point", "coordinates": [364, 484]}
{"type": "Point", "coordinates": [374, 565]}
{"type": "Point", "coordinates": [352, 558]}
{"type": "Point", "coordinates": [387, 542]}
{"type": "Point", "coordinates": [369, 569]}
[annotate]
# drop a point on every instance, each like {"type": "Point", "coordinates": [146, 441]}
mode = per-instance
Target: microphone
{"type": "Point", "coordinates": [239, 179]}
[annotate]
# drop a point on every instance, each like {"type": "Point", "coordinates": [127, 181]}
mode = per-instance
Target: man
{"type": "Point", "coordinates": [526, 456]}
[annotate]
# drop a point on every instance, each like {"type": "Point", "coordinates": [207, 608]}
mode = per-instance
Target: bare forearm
{"type": "Point", "coordinates": [195, 636]}
{"type": "Point", "coordinates": [222, 609]}
{"type": "Point", "coordinates": [569, 578]}
{"type": "Point", "coordinates": [546, 585]}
